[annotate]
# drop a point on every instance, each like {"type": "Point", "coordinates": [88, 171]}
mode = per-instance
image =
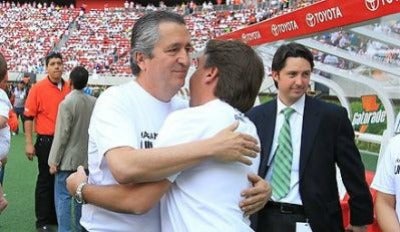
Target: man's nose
{"type": "Point", "coordinates": [298, 80]}
{"type": "Point", "coordinates": [184, 57]}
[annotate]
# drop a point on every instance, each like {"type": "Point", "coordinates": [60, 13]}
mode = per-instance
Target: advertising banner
{"type": "Point", "coordinates": [371, 117]}
{"type": "Point", "coordinates": [316, 18]}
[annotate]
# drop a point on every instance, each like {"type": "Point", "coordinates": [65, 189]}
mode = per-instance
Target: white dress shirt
{"type": "Point", "coordinates": [296, 126]}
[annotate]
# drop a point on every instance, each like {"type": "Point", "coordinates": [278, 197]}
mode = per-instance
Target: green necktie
{"type": "Point", "coordinates": [283, 159]}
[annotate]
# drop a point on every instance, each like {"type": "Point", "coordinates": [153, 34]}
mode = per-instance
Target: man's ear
{"type": "Point", "coordinates": [275, 75]}
{"type": "Point", "coordinates": [212, 75]}
{"type": "Point", "coordinates": [140, 60]}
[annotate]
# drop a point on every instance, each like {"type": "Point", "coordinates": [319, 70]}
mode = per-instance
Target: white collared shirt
{"type": "Point", "coordinates": [296, 126]}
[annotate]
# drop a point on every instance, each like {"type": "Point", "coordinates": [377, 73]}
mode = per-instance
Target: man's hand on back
{"type": "Point", "coordinates": [256, 196]}
{"type": "Point", "coordinates": [231, 146]}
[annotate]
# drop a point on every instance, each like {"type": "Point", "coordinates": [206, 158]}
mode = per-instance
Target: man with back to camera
{"type": "Point", "coordinates": [42, 105]}
{"type": "Point", "coordinates": [126, 120]}
{"type": "Point", "coordinates": [222, 88]}
{"type": "Point", "coordinates": [302, 141]}
{"type": "Point", "coordinates": [69, 147]}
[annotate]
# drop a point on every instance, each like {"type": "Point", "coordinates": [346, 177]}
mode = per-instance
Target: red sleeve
{"type": "Point", "coordinates": [31, 104]}
{"type": "Point", "coordinates": [13, 120]}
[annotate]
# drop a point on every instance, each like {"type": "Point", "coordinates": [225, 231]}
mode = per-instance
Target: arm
{"type": "Point", "coordinates": [129, 198]}
{"type": "Point", "coordinates": [255, 197]}
{"type": "Point", "coordinates": [5, 148]}
{"type": "Point", "coordinates": [353, 174]}
{"type": "Point", "coordinates": [3, 121]}
{"type": "Point", "coordinates": [129, 165]}
{"type": "Point", "coordinates": [61, 136]}
{"type": "Point", "coordinates": [3, 201]}
{"type": "Point", "coordinates": [5, 107]}
{"type": "Point", "coordinates": [385, 212]}
{"type": "Point", "coordinates": [29, 148]}
{"type": "Point", "coordinates": [384, 182]}
{"type": "Point", "coordinates": [29, 114]}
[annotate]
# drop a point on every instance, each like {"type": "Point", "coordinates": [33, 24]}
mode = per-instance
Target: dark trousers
{"type": "Point", "coordinates": [2, 169]}
{"type": "Point", "coordinates": [20, 114]}
{"type": "Point", "coordinates": [277, 219]}
{"type": "Point", "coordinates": [44, 192]}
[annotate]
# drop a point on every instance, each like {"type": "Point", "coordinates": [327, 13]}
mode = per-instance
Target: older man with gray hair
{"type": "Point", "coordinates": [126, 121]}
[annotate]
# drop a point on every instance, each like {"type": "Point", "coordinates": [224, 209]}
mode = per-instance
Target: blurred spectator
{"type": "Point", "coordinates": [20, 93]}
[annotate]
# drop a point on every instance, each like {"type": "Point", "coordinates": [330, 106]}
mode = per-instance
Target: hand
{"type": "Point", "coordinates": [3, 203]}
{"type": "Point", "coordinates": [3, 161]}
{"type": "Point", "coordinates": [255, 197]}
{"type": "Point", "coordinates": [53, 169]}
{"type": "Point", "coordinates": [356, 228]}
{"type": "Point", "coordinates": [30, 151]}
{"type": "Point", "coordinates": [75, 179]}
{"type": "Point", "coordinates": [231, 146]}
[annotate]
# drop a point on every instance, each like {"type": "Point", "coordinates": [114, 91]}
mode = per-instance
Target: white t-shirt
{"type": "Point", "coordinates": [205, 197]}
{"type": "Point", "coordinates": [124, 115]}
{"type": "Point", "coordinates": [5, 137]}
{"type": "Point", "coordinates": [387, 175]}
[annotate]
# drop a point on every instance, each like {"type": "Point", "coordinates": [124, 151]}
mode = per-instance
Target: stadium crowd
{"type": "Point", "coordinates": [359, 45]}
{"type": "Point", "coordinates": [98, 38]}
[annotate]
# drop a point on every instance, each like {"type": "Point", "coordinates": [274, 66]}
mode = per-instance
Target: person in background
{"type": "Point", "coordinates": [69, 147]}
{"type": "Point", "coordinates": [303, 139]}
{"type": "Point", "coordinates": [41, 106]}
{"type": "Point", "coordinates": [19, 102]}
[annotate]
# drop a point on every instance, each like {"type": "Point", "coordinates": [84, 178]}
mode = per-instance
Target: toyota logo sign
{"type": "Point", "coordinates": [274, 30]}
{"type": "Point", "coordinates": [372, 5]}
{"type": "Point", "coordinates": [310, 19]}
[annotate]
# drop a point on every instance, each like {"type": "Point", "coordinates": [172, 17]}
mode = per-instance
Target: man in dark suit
{"type": "Point", "coordinates": [319, 139]}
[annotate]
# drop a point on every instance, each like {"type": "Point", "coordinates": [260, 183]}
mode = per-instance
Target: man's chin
{"type": "Point", "coordinates": [298, 93]}
{"type": "Point", "coordinates": [181, 82]}
{"type": "Point", "coordinates": [296, 96]}
{"type": "Point", "coordinates": [55, 78]}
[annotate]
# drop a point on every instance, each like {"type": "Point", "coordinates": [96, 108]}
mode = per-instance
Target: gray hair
{"type": "Point", "coordinates": [145, 34]}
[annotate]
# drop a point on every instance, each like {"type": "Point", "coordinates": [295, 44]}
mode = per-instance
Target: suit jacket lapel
{"type": "Point", "coordinates": [267, 135]}
{"type": "Point", "coordinates": [311, 121]}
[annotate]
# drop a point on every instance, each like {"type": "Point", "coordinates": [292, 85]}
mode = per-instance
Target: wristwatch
{"type": "Point", "coordinates": [78, 194]}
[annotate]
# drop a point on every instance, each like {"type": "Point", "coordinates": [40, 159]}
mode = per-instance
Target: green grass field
{"type": "Point", "coordinates": [19, 185]}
